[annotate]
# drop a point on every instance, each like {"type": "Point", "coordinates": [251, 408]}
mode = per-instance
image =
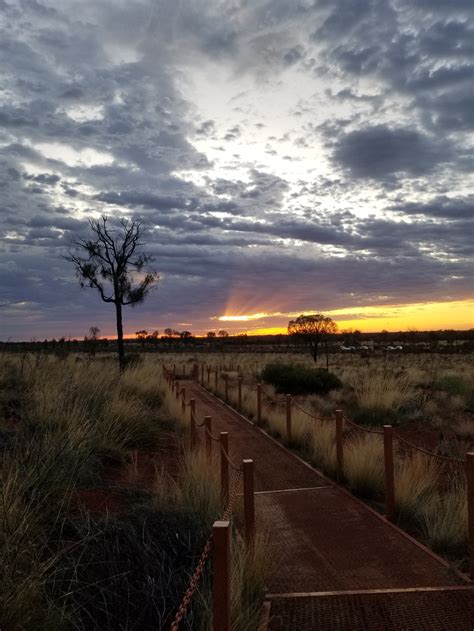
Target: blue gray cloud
{"type": "Point", "coordinates": [317, 151]}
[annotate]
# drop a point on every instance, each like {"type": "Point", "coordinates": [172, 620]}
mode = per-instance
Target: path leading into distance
{"type": "Point", "coordinates": [338, 565]}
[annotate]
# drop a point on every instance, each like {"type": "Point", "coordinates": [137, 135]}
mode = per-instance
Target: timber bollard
{"type": "Point", "coordinates": [184, 370]}
{"type": "Point", "coordinates": [259, 404]}
{"type": "Point", "coordinates": [192, 421]}
{"type": "Point", "coordinates": [221, 576]}
{"type": "Point", "coordinates": [202, 374]}
{"type": "Point", "coordinates": [340, 444]}
{"type": "Point", "coordinates": [224, 468]}
{"type": "Point", "coordinates": [183, 401]}
{"type": "Point", "coordinates": [208, 427]}
{"type": "Point", "coordinates": [288, 419]}
{"type": "Point", "coordinates": [240, 394]}
{"type": "Point", "coordinates": [389, 482]}
{"type": "Point", "coordinates": [249, 502]}
{"type": "Point", "coordinates": [226, 381]}
{"type": "Point", "coordinates": [177, 389]}
{"type": "Point", "coordinates": [470, 508]}
{"type": "Point", "coordinates": [215, 381]}
{"type": "Point", "coordinates": [208, 375]}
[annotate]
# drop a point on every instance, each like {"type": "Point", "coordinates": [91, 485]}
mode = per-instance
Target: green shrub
{"type": "Point", "coordinates": [296, 379]}
{"type": "Point", "coordinates": [452, 384]}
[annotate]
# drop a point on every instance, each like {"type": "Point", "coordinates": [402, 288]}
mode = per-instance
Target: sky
{"type": "Point", "coordinates": [285, 157]}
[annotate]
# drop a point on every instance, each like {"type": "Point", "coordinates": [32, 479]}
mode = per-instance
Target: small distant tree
{"type": "Point", "coordinates": [153, 337]}
{"type": "Point", "coordinates": [211, 334]}
{"type": "Point", "coordinates": [223, 333]}
{"type": "Point", "coordinates": [313, 330]}
{"type": "Point", "coordinates": [108, 261]}
{"type": "Point", "coordinates": [92, 339]}
{"type": "Point", "coordinates": [142, 336]}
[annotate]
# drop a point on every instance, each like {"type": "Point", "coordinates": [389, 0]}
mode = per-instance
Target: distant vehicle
{"type": "Point", "coordinates": [347, 348]}
{"type": "Point", "coordinates": [363, 348]}
{"type": "Point", "coordinates": [394, 348]}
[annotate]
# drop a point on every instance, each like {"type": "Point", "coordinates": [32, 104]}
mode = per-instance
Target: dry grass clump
{"type": "Point", "coordinates": [142, 382]}
{"type": "Point", "coordinates": [197, 489]}
{"type": "Point", "coordinates": [443, 517]}
{"type": "Point", "coordinates": [321, 445]}
{"type": "Point", "coordinates": [416, 477]}
{"type": "Point", "coordinates": [364, 464]}
{"type": "Point", "coordinates": [375, 388]}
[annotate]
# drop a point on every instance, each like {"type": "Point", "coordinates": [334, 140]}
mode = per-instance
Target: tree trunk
{"type": "Point", "coordinates": [315, 352]}
{"type": "Point", "coordinates": [121, 351]}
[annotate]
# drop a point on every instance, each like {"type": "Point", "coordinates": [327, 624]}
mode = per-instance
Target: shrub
{"type": "Point", "coordinates": [452, 384]}
{"type": "Point", "coordinates": [296, 379]}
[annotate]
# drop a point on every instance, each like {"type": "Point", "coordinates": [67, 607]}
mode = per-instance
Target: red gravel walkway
{"type": "Point", "coordinates": [326, 543]}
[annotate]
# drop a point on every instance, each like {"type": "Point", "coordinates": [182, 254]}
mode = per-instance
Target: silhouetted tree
{"type": "Point", "coordinates": [223, 333]}
{"type": "Point", "coordinates": [141, 336]}
{"type": "Point", "coordinates": [92, 339]}
{"type": "Point", "coordinates": [211, 334]}
{"type": "Point", "coordinates": [313, 329]}
{"type": "Point", "coordinates": [107, 261]}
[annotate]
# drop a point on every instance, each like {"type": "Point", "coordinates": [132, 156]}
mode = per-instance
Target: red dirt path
{"type": "Point", "coordinates": [324, 540]}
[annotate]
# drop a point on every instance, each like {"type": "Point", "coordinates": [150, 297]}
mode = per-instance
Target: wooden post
{"type": "Point", "coordinates": [339, 444]}
{"type": "Point", "coordinates": [288, 419]}
{"type": "Point", "coordinates": [215, 381]}
{"type": "Point", "coordinates": [192, 419]}
{"type": "Point", "coordinates": [226, 380]}
{"type": "Point", "coordinates": [208, 375]}
{"type": "Point", "coordinates": [224, 468]}
{"type": "Point", "coordinates": [249, 501]}
{"type": "Point", "coordinates": [174, 369]}
{"type": "Point", "coordinates": [184, 370]}
{"type": "Point", "coordinates": [177, 389]}
{"type": "Point", "coordinates": [183, 401]}
{"type": "Point", "coordinates": [389, 483]}
{"type": "Point", "coordinates": [221, 576]}
{"type": "Point", "coordinates": [470, 507]}
{"type": "Point", "coordinates": [208, 427]}
{"type": "Point", "coordinates": [240, 393]}
{"type": "Point", "coordinates": [259, 404]}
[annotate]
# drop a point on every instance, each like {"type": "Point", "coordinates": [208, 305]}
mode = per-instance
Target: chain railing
{"type": "Point", "coordinates": [240, 476]}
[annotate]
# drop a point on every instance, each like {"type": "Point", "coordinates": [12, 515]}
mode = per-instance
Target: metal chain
{"type": "Point", "coordinates": [194, 581]}
{"type": "Point", "coordinates": [316, 418]}
{"type": "Point", "coordinates": [193, 584]}
{"type": "Point", "coordinates": [362, 428]}
{"type": "Point", "coordinates": [404, 441]}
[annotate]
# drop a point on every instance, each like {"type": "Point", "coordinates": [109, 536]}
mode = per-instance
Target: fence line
{"type": "Point", "coordinates": [389, 437]}
{"type": "Point", "coordinates": [218, 541]}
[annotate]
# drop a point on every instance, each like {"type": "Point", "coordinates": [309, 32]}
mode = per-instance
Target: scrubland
{"type": "Point", "coordinates": [104, 509]}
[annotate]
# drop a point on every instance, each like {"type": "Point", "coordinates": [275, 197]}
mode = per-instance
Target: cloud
{"type": "Point", "coordinates": [282, 154]}
{"type": "Point", "coordinates": [380, 151]}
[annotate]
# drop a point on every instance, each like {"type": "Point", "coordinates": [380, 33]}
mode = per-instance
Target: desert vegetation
{"type": "Point", "coordinates": [104, 509]}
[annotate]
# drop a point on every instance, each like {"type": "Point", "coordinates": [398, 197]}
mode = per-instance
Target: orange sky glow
{"type": "Point", "coordinates": [422, 316]}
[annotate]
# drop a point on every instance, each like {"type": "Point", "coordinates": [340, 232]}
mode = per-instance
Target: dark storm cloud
{"type": "Point", "coordinates": [443, 207]}
{"type": "Point", "coordinates": [379, 151]}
